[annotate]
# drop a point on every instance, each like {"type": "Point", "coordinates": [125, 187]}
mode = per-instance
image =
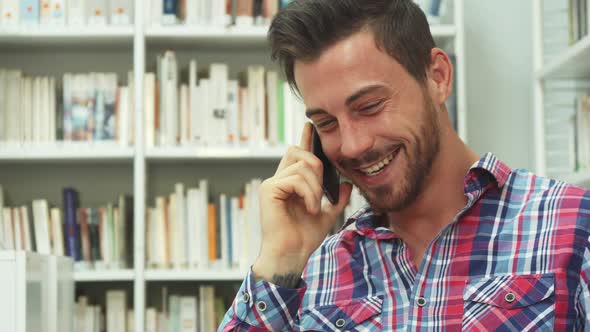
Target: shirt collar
{"type": "Point", "coordinates": [486, 170]}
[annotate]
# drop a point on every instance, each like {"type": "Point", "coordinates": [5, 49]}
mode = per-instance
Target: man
{"type": "Point", "coordinates": [450, 240]}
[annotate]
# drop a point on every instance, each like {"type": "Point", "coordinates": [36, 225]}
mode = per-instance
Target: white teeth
{"type": "Point", "coordinates": [379, 166]}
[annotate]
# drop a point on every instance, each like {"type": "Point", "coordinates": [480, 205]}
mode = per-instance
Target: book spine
{"type": "Point", "coordinates": [70, 201]}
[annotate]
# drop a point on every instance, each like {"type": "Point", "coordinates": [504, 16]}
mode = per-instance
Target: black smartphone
{"type": "Point", "coordinates": [331, 178]}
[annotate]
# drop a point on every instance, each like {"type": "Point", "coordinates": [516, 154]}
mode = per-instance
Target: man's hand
{"type": "Point", "coordinates": [294, 223]}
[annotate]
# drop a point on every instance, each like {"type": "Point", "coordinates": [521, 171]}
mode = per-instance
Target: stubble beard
{"type": "Point", "coordinates": [396, 197]}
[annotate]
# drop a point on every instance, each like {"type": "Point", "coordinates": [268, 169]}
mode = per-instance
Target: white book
{"type": "Point", "coordinates": [163, 322]}
{"type": "Point", "coordinates": [205, 12]}
{"type": "Point", "coordinates": [130, 320]}
{"type": "Point", "coordinates": [272, 78]}
{"type": "Point", "coordinates": [233, 91]}
{"type": "Point", "coordinates": [116, 307]}
{"type": "Point", "coordinates": [37, 109]}
{"type": "Point", "coordinates": [185, 120]}
{"type": "Point", "coordinates": [122, 12]}
{"type": "Point", "coordinates": [236, 231]}
{"type": "Point", "coordinates": [203, 323]}
{"type": "Point", "coordinates": [192, 204]}
{"type": "Point", "coordinates": [149, 105]}
{"type": "Point", "coordinates": [28, 117]}
{"type": "Point", "coordinates": [163, 243]}
{"type": "Point", "coordinates": [181, 226]}
{"type": "Point", "coordinates": [224, 231]}
{"type": "Point", "coordinates": [24, 213]}
{"type": "Point", "coordinates": [58, 12]}
{"type": "Point", "coordinates": [58, 236]}
{"type": "Point", "coordinates": [80, 314]}
{"type": "Point", "coordinates": [151, 320]}
{"type": "Point", "coordinates": [257, 104]}
{"type": "Point", "coordinates": [219, 101]}
{"type": "Point", "coordinates": [76, 12]}
{"type": "Point", "coordinates": [123, 135]}
{"type": "Point", "coordinates": [203, 224]}
{"type": "Point", "coordinates": [195, 129]}
{"type": "Point", "coordinates": [45, 110]}
{"type": "Point", "coordinates": [188, 314]}
{"type": "Point", "coordinates": [41, 222]}
{"type": "Point", "coordinates": [89, 319]}
{"type": "Point", "coordinates": [97, 12]}
{"type": "Point", "coordinates": [206, 111]}
{"type": "Point", "coordinates": [157, 7]}
{"type": "Point", "coordinates": [173, 234]}
{"type": "Point", "coordinates": [52, 110]}
{"type": "Point", "coordinates": [18, 229]}
{"type": "Point", "coordinates": [169, 81]}
{"type": "Point", "coordinates": [45, 14]}
{"type": "Point", "coordinates": [14, 123]}
{"type": "Point", "coordinates": [150, 247]}
{"type": "Point", "coordinates": [8, 242]}
{"type": "Point", "coordinates": [218, 13]}
{"type": "Point", "coordinates": [10, 14]}
{"type": "Point", "coordinates": [191, 12]}
{"type": "Point", "coordinates": [106, 238]}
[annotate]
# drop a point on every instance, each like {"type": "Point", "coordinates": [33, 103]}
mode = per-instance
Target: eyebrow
{"type": "Point", "coordinates": [351, 99]}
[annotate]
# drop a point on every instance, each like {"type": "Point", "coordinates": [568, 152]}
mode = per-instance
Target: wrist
{"type": "Point", "coordinates": [283, 271]}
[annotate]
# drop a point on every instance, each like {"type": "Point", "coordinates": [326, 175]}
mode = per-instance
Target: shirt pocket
{"type": "Point", "coordinates": [362, 314]}
{"type": "Point", "coordinates": [509, 303]}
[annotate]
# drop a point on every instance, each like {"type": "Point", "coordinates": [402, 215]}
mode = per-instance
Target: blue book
{"type": "Point", "coordinates": [29, 12]}
{"type": "Point", "coordinates": [72, 231]}
{"type": "Point", "coordinates": [228, 223]}
{"type": "Point", "coordinates": [169, 11]}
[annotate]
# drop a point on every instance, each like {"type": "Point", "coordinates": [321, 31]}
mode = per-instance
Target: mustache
{"type": "Point", "coordinates": [368, 157]}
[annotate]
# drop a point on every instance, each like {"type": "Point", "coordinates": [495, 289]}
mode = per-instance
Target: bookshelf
{"type": "Point", "coordinates": [568, 64]}
{"type": "Point", "coordinates": [147, 172]}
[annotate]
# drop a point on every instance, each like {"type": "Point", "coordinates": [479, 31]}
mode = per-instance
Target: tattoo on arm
{"type": "Point", "coordinates": [290, 280]}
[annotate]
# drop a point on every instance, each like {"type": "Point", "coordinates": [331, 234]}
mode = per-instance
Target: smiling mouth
{"type": "Point", "coordinates": [379, 166]}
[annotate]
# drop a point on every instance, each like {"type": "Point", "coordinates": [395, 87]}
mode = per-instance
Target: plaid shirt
{"type": "Point", "coordinates": [515, 258]}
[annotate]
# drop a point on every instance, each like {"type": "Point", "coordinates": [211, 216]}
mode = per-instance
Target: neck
{"type": "Point", "coordinates": [441, 198]}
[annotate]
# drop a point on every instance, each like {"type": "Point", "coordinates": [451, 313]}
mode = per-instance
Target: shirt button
{"type": "Point", "coordinates": [261, 305]}
{"type": "Point", "coordinates": [246, 298]}
{"type": "Point", "coordinates": [510, 297]}
{"type": "Point", "coordinates": [421, 301]}
{"type": "Point", "coordinates": [340, 322]}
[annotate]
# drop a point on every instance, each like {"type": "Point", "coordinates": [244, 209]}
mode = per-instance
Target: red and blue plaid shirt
{"type": "Point", "coordinates": [515, 258]}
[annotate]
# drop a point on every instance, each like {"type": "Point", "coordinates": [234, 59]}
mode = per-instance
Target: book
{"type": "Point", "coordinates": [96, 12]}
{"type": "Point", "coordinates": [70, 203]}
{"type": "Point", "coordinates": [10, 14]}
{"type": "Point", "coordinates": [122, 12]}
{"type": "Point", "coordinates": [116, 306]}
{"type": "Point", "coordinates": [76, 12]}
{"type": "Point", "coordinates": [29, 12]}
{"type": "Point", "coordinates": [58, 12]}
{"type": "Point", "coordinates": [170, 9]}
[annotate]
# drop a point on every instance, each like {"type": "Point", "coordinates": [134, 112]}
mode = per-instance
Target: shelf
{"type": "Point", "coordinates": [197, 153]}
{"type": "Point", "coordinates": [67, 36]}
{"type": "Point", "coordinates": [194, 275]}
{"type": "Point", "coordinates": [237, 36]}
{"type": "Point", "coordinates": [104, 275]}
{"type": "Point", "coordinates": [573, 63]}
{"type": "Point", "coordinates": [62, 151]}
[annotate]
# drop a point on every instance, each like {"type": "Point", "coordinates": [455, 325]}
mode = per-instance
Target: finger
{"type": "Point", "coordinates": [305, 143]}
{"type": "Point", "coordinates": [343, 198]}
{"type": "Point", "coordinates": [313, 178]}
{"type": "Point", "coordinates": [296, 154]}
{"type": "Point", "coordinates": [286, 187]}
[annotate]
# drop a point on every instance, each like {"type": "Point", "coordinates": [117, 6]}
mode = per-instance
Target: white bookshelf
{"type": "Point", "coordinates": [572, 63]}
{"type": "Point", "coordinates": [104, 275]}
{"type": "Point", "coordinates": [150, 163]}
{"type": "Point", "coordinates": [194, 275]}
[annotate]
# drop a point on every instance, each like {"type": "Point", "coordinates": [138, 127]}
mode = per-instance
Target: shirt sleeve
{"type": "Point", "coordinates": [263, 306]}
{"type": "Point", "coordinates": [584, 291]}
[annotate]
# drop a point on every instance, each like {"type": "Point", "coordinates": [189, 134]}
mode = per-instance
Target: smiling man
{"type": "Point", "coordinates": [449, 240]}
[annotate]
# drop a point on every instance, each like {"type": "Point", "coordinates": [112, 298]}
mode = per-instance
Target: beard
{"type": "Point", "coordinates": [420, 157]}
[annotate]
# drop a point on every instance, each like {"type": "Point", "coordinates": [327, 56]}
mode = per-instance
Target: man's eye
{"type": "Point", "coordinates": [370, 107]}
{"type": "Point", "coordinates": [325, 124]}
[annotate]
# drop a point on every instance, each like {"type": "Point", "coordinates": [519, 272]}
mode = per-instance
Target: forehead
{"type": "Point", "coordinates": [345, 67]}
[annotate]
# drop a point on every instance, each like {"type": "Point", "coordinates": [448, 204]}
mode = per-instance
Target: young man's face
{"type": "Point", "coordinates": [377, 124]}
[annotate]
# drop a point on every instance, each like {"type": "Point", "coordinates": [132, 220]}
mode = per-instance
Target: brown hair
{"type": "Point", "coordinates": [305, 28]}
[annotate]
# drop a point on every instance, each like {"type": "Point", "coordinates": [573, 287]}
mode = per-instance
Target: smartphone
{"type": "Point", "coordinates": [331, 178]}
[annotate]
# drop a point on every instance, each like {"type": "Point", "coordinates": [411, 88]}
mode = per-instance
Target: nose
{"type": "Point", "coordinates": [354, 140]}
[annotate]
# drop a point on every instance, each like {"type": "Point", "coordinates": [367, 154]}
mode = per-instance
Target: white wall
{"type": "Point", "coordinates": [499, 51]}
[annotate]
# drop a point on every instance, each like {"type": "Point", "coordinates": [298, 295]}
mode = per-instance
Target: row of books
{"type": "Point", "coordinates": [186, 230]}
{"type": "Point", "coordinates": [258, 109]}
{"type": "Point", "coordinates": [567, 126]}
{"type": "Point", "coordinates": [564, 23]}
{"type": "Point", "coordinates": [91, 107]}
{"type": "Point", "coordinates": [187, 313]}
{"type": "Point", "coordinates": [98, 238]}
{"type": "Point", "coordinates": [90, 317]}
{"type": "Point", "coordinates": [17, 14]}
{"type": "Point", "coordinates": [212, 13]}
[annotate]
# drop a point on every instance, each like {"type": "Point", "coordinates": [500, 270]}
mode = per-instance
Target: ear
{"type": "Point", "coordinates": [440, 76]}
